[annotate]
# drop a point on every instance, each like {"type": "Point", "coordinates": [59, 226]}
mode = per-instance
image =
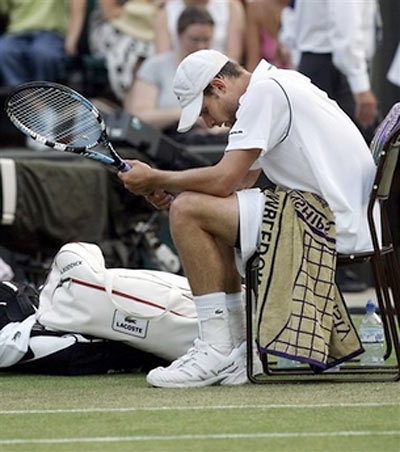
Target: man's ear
{"type": "Point", "coordinates": [218, 84]}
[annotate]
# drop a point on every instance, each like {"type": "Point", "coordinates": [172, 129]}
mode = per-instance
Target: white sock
{"type": "Point", "coordinates": [213, 321]}
{"type": "Point", "coordinates": [235, 305]}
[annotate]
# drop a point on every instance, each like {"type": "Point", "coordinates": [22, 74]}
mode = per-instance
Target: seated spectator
{"type": "Point", "coordinates": [229, 25]}
{"type": "Point", "coordinates": [38, 36]}
{"type": "Point", "coordinates": [151, 98]}
{"type": "Point", "coordinates": [122, 32]}
{"type": "Point", "coordinates": [262, 26]}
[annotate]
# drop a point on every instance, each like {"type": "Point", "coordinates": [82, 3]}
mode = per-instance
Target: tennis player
{"type": "Point", "coordinates": [280, 124]}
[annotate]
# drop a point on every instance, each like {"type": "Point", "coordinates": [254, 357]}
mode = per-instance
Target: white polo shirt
{"type": "Point", "coordinates": [346, 29]}
{"type": "Point", "coordinates": [307, 143]}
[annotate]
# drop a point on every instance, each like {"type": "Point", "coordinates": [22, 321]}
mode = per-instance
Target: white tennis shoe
{"type": "Point", "coordinates": [202, 366]}
{"type": "Point", "coordinates": [240, 377]}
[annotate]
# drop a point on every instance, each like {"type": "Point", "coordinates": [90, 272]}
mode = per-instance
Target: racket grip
{"type": "Point", "coordinates": [124, 167]}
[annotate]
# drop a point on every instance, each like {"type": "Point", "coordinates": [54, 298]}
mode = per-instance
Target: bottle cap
{"type": "Point", "coordinates": [370, 306]}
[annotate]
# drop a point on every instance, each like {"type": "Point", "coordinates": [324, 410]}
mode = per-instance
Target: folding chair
{"type": "Point", "coordinates": [386, 276]}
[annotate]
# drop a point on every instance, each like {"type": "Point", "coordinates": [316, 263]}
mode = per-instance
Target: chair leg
{"type": "Point", "coordinates": [394, 331]}
{"type": "Point", "coordinates": [394, 274]}
{"type": "Point", "coordinates": [383, 301]}
{"type": "Point", "coordinates": [249, 332]}
{"type": "Point", "coordinates": [393, 267]}
{"type": "Point", "coordinates": [383, 270]}
{"type": "Point", "coordinates": [394, 308]}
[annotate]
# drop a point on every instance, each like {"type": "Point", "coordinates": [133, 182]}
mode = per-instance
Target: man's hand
{"type": "Point", "coordinates": [365, 108]}
{"type": "Point", "coordinates": [282, 57]}
{"type": "Point", "coordinates": [138, 180]}
{"type": "Point", "coordinates": [160, 199]}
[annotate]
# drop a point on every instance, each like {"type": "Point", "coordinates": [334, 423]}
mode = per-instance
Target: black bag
{"type": "Point", "coordinates": [17, 302]}
{"type": "Point", "coordinates": [86, 355]}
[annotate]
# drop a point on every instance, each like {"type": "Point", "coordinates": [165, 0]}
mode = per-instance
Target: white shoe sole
{"type": "Point", "coordinates": [191, 384]}
{"type": "Point", "coordinates": [232, 379]}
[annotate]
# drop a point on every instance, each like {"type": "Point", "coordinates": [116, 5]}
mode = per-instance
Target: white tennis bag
{"type": "Point", "coordinates": [150, 310]}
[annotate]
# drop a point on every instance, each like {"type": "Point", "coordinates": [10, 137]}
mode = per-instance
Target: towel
{"type": "Point", "coordinates": [300, 312]}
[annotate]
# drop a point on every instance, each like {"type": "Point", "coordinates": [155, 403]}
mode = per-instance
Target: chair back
{"type": "Point", "coordinates": [385, 151]}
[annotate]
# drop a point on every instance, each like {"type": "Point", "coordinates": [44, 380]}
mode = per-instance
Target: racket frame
{"type": "Point", "coordinates": [86, 151]}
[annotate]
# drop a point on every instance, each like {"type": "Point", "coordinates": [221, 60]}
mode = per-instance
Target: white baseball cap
{"type": "Point", "coordinates": [193, 75]}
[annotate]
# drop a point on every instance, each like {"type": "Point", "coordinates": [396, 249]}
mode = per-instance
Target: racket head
{"type": "Point", "coordinates": [56, 116]}
{"type": "Point", "coordinates": [61, 118]}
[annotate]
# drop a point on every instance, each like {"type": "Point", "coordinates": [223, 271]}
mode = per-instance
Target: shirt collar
{"type": "Point", "coordinates": [260, 70]}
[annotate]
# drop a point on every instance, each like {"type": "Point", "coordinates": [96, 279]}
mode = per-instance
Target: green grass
{"type": "Point", "coordinates": [121, 413]}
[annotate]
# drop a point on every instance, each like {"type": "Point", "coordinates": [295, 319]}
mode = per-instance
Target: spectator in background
{"type": "Point", "coordinates": [151, 98]}
{"type": "Point", "coordinates": [122, 32]}
{"type": "Point", "coordinates": [38, 36]}
{"type": "Point", "coordinates": [262, 26]}
{"type": "Point", "coordinates": [229, 25]}
{"type": "Point", "coordinates": [336, 41]}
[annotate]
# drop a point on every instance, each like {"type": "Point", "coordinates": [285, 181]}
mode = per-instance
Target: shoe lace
{"type": "Point", "coordinates": [195, 354]}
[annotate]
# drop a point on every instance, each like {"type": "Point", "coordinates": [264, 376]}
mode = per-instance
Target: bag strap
{"type": "Point", "coordinates": [18, 301]}
{"type": "Point", "coordinates": [109, 279]}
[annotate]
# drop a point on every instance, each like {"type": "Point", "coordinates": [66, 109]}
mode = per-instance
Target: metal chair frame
{"type": "Point", "coordinates": [385, 270]}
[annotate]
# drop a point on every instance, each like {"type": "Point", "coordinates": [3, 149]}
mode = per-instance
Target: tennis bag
{"type": "Point", "coordinates": [17, 302]}
{"type": "Point", "coordinates": [150, 310]}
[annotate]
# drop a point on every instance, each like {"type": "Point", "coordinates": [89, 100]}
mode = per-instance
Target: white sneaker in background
{"type": "Point", "coordinates": [201, 366]}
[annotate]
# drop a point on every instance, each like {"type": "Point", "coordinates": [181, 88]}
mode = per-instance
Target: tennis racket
{"type": "Point", "coordinates": [61, 118]}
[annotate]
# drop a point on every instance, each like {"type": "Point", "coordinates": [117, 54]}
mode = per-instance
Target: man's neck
{"type": "Point", "coordinates": [243, 82]}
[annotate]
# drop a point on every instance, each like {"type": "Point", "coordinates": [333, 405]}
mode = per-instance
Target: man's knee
{"type": "Point", "coordinates": [183, 208]}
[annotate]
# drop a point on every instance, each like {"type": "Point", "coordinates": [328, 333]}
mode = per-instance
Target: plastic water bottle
{"type": "Point", "coordinates": [372, 337]}
{"type": "Point", "coordinates": [285, 363]}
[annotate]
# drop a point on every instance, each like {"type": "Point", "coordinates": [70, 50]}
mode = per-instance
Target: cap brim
{"type": "Point", "coordinates": [190, 114]}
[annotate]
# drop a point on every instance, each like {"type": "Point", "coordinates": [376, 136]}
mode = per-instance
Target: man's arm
{"type": "Point", "coordinates": [349, 56]}
{"type": "Point", "coordinates": [250, 179]}
{"type": "Point", "coordinates": [77, 14]}
{"type": "Point", "coordinates": [228, 175]}
{"type": "Point", "coordinates": [141, 101]}
{"type": "Point", "coordinates": [234, 44]}
{"type": "Point", "coordinates": [162, 38]}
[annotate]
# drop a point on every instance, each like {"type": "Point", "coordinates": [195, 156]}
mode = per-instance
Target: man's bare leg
{"type": "Point", "coordinates": [204, 230]}
{"type": "Point", "coordinates": [234, 299]}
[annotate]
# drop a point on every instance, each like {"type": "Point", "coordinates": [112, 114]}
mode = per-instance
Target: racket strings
{"type": "Point", "coordinates": [61, 105]}
{"type": "Point", "coordinates": [56, 116]}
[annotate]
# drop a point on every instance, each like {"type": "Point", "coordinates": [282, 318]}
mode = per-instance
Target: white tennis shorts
{"type": "Point", "coordinates": [251, 207]}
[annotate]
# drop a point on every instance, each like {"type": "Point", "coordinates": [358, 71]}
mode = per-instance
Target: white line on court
{"type": "Point", "coordinates": [202, 408]}
{"type": "Point", "coordinates": [114, 439]}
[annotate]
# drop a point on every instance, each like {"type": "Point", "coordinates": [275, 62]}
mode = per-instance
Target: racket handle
{"type": "Point", "coordinates": [124, 167]}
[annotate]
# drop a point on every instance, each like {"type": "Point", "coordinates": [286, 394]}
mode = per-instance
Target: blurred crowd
{"type": "Point", "coordinates": [141, 42]}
